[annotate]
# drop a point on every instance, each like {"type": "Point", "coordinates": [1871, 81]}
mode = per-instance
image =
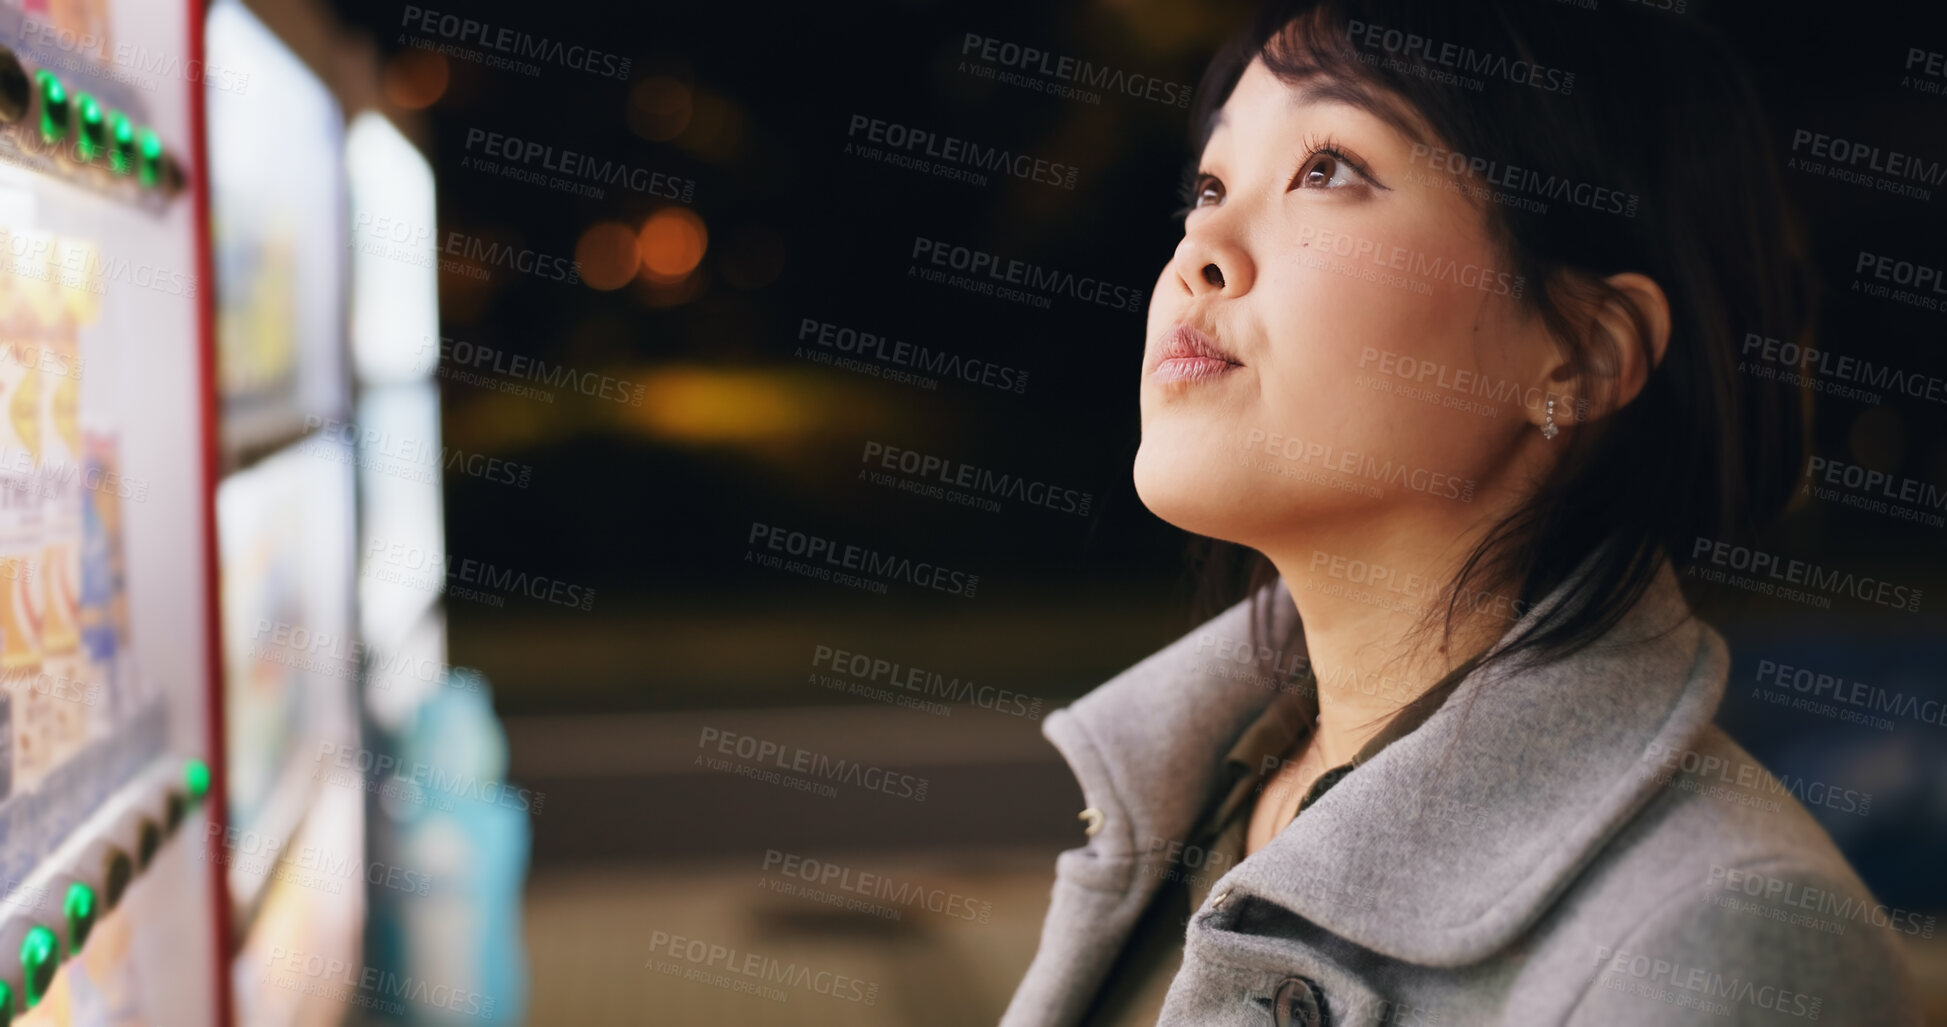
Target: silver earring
{"type": "Point", "coordinates": [1548, 429]}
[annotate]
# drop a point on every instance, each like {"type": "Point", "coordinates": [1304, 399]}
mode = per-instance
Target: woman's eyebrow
{"type": "Point", "coordinates": [1329, 89]}
{"type": "Point", "coordinates": [1319, 90]}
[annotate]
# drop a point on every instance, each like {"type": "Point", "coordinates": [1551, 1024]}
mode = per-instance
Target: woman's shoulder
{"type": "Point", "coordinates": [1717, 802]}
{"type": "Point", "coordinates": [1725, 887]}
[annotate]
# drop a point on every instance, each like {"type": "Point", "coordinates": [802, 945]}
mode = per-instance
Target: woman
{"type": "Point", "coordinates": [1450, 340]}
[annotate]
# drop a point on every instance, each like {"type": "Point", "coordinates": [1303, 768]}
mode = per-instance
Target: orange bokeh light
{"type": "Point", "coordinates": [672, 243]}
{"type": "Point", "coordinates": [659, 108]}
{"type": "Point", "coordinates": [606, 252]}
{"type": "Point", "coordinates": [415, 79]}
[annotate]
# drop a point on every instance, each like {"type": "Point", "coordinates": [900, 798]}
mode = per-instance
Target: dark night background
{"type": "Point", "coordinates": [650, 506]}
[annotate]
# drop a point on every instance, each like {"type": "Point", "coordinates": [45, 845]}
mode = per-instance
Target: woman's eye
{"type": "Point", "coordinates": [1326, 171]}
{"type": "Point", "coordinates": [1208, 190]}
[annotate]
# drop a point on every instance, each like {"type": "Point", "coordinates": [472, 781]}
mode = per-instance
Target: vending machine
{"type": "Point", "coordinates": [111, 905]}
{"type": "Point", "coordinates": [293, 848]}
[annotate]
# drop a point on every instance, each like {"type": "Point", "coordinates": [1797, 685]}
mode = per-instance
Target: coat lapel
{"type": "Point", "coordinates": [1147, 748]}
{"type": "Point", "coordinates": [1456, 838]}
{"type": "Point", "coordinates": [1449, 842]}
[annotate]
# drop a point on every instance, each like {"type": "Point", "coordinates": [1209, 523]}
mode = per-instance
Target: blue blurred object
{"type": "Point", "coordinates": [457, 834]}
{"type": "Point", "coordinates": [1901, 767]}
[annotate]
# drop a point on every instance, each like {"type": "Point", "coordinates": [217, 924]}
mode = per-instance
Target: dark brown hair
{"type": "Point", "coordinates": [1646, 105]}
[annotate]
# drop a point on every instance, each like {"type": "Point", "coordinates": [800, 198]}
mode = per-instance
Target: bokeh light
{"type": "Point", "coordinates": [416, 79]}
{"type": "Point", "coordinates": [606, 252]}
{"type": "Point", "coordinates": [671, 244]}
{"type": "Point", "coordinates": [659, 108]}
{"type": "Point", "coordinates": [716, 127]}
{"type": "Point", "coordinates": [701, 405]}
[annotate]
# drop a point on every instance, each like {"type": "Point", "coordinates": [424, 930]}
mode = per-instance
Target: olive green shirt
{"type": "Point", "coordinates": [1132, 993]}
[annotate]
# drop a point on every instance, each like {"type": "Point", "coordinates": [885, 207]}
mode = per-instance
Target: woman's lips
{"type": "Point", "coordinates": [1190, 355]}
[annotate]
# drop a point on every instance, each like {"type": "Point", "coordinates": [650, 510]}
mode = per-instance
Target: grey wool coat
{"type": "Point", "coordinates": [1562, 843]}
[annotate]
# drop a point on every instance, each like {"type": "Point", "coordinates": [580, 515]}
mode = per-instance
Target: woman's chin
{"type": "Point", "coordinates": [1187, 496]}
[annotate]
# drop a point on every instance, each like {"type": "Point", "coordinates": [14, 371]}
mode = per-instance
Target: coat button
{"type": "Point", "coordinates": [1091, 819]}
{"type": "Point", "coordinates": [1296, 1004]}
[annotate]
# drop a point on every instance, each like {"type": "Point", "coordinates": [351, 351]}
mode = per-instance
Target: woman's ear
{"type": "Point", "coordinates": [1629, 331]}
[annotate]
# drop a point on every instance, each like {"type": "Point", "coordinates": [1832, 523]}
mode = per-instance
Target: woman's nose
{"type": "Point", "coordinates": [1210, 264]}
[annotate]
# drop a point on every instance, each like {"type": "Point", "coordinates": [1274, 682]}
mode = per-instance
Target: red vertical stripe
{"type": "Point", "coordinates": [216, 804]}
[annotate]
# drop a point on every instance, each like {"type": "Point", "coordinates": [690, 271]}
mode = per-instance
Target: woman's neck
{"type": "Point", "coordinates": [1365, 608]}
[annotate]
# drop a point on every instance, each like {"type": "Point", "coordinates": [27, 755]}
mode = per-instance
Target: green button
{"type": "Point", "coordinates": [38, 961]}
{"type": "Point", "coordinates": [196, 777]}
{"type": "Point", "coordinates": [121, 143]}
{"type": "Point", "coordinates": [54, 107]}
{"type": "Point", "coordinates": [94, 129]}
{"type": "Point", "coordinates": [150, 146]}
{"type": "Point", "coordinates": [80, 909]}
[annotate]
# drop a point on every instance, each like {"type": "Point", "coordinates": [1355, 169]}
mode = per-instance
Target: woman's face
{"type": "Point", "coordinates": [1373, 356]}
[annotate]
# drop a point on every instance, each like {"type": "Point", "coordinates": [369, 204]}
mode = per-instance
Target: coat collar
{"type": "Point", "coordinates": [1454, 838]}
